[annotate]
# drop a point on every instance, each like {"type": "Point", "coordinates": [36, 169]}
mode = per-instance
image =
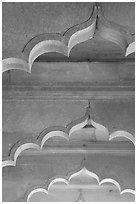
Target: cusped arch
{"type": "Point", "coordinates": [76, 174]}
{"type": "Point", "coordinates": [101, 134]}
{"type": "Point", "coordinates": [64, 42]}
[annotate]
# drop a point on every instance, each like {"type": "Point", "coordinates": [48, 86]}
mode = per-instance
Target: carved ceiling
{"type": "Point", "coordinates": [56, 32]}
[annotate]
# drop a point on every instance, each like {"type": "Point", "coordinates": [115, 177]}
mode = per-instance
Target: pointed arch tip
{"type": "Point", "coordinates": [64, 132]}
{"type": "Point", "coordinates": [84, 171]}
{"type": "Point", "coordinates": [77, 125]}
{"type": "Point", "coordinates": [67, 179]}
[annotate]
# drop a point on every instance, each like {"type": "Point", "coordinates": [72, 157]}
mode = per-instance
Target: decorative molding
{"type": "Point", "coordinates": [72, 92]}
{"type": "Point", "coordinates": [98, 133]}
{"type": "Point", "coordinates": [77, 174]}
{"type": "Point", "coordinates": [63, 43]}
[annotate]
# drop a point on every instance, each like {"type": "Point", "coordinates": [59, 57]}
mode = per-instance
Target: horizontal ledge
{"type": "Point", "coordinates": [82, 147]}
{"type": "Point", "coordinates": [103, 96]}
{"type": "Point", "coordinates": [78, 151]}
{"type": "Point", "coordinates": [117, 148]}
{"type": "Point", "coordinates": [103, 59]}
{"type": "Point", "coordinates": [67, 92]}
{"type": "Point", "coordinates": [77, 86]}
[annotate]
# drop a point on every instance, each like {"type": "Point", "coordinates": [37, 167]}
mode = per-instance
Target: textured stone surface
{"type": "Point", "coordinates": [77, 73]}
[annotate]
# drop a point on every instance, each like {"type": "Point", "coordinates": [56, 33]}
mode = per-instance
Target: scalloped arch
{"type": "Point", "coordinates": [63, 43]}
{"type": "Point", "coordinates": [61, 134]}
{"type": "Point", "coordinates": [101, 133]}
{"type": "Point", "coordinates": [71, 176]}
{"type": "Point", "coordinates": [53, 44]}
